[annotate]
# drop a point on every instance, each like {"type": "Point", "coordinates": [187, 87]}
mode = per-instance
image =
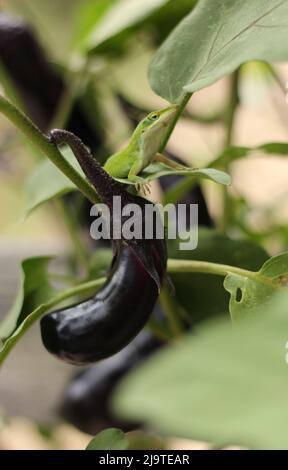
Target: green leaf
{"type": "Point", "coordinates": [249, 295]}
{"type": "Point", "coordinates": [203, 295]}
{"type": "Point", "coordinates": [88, 15]}
{"type": "Point", "coordinates": [34, 289]}
{"type": "Point", "coordinates": [121, 16]}
{"type": "Point", "coordinates": [276, 148]}
{"type": "Point", "coordinates": [214, 39]}
{"type": "Point", "coordinates": [225, 384]}
{"type": "Point", "coordinates": [235, 153]}
{"type": "Point", "coordinates": [48, 183]}
{"type": "Point", "coordinates": [110, 439]}
{"type": "Point", "coordinates": [230, 154]}
{"type": "Point", "coordinates": [155, 170]}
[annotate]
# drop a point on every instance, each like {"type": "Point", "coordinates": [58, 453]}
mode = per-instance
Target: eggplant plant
{"type": "Point", "coordinates": [214, 361]}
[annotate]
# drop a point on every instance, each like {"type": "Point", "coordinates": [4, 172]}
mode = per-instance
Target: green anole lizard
{"type": "Point", "coordinates": [142, 148]}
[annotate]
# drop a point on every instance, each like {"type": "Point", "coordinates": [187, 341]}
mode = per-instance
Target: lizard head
{"type": "Point", "coordinates": [158, 119]}
{"type": "Point", "coordinates": [152, 129]}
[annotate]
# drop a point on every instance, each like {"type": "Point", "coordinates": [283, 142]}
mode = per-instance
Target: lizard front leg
{"type": "Point", "coordinates": [141, 184]}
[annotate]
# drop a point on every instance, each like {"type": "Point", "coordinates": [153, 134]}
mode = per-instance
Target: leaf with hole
{"type": "Point", "coordinates": [203, 295]}
{"type": "Point", "coordinates": [249, 294]}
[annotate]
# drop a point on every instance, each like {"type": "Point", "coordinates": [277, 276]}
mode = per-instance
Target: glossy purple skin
{"type": "Point", "coordinates": [104, 324]}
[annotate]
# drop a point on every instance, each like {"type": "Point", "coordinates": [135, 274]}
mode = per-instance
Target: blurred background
{"type": "Point", "coordinates": [69, 64]}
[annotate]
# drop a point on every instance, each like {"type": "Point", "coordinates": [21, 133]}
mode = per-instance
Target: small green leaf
{"type": "Point", "coordinates": [214, 39]}
{"type": "Point", "coordinates": [155, 170]}
{"type": "Point", "coordinates": [35, 298]}
{"type": "Point", "coordinates": [42, 309]}
{"type": "Point", "coordinates": [227, 384]}
{"type": "Point", "coordinates": [249, 295]}
{"type": "Point", "coordinates": [275, 267]}
{"type": "Point", "coordinates": [110, 439]}
{"type": "Point", "coordinates": [48, 183]}
{"type": "Point", "coordinates": [34, 290]}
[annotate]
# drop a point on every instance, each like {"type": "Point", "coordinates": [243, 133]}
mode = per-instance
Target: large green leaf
{"type": "Point", "coordinates": [248, 295]}
{"type": "Point", "coordinates": [203, 295]}
{"type": "Point", "coordinates": [110, 439]}
{"type": "Point", "coordinates": [226, 384]}
{"type": "Point", "coordinates": [214, 39]}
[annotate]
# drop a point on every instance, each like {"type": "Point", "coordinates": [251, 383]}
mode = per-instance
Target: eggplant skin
{"type": "Point", "coordinates": [104, 324]}
{"type": "Point", "coordinates": [86, 399]}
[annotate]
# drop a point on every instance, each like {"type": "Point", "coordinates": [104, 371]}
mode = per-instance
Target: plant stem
{"type": "Point", "coordinates": [169, 308]}
{"type": "Point", "coordinates": [70, 222]}
{"type": "Point", "coordinates": [83, 289]}
{"type": "Point", "coordinates": [40, 141]}
{"type": "Point", "coordinates": [234, 100]}
{"type": "Point", "coordinates": [87, 288]}
{"type": "Point", "coordinates": [171, 128]}
{"type": "Point", "coordinates": [187, 266]}
{"type": "Point", "coordinates": [230, 118]}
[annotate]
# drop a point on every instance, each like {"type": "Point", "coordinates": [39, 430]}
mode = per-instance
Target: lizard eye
{"type": "Point", "coordinates": [154, 117]}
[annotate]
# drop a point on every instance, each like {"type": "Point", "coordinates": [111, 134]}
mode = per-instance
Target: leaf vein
{"type": "Point", "coordinates": [249, 26]}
